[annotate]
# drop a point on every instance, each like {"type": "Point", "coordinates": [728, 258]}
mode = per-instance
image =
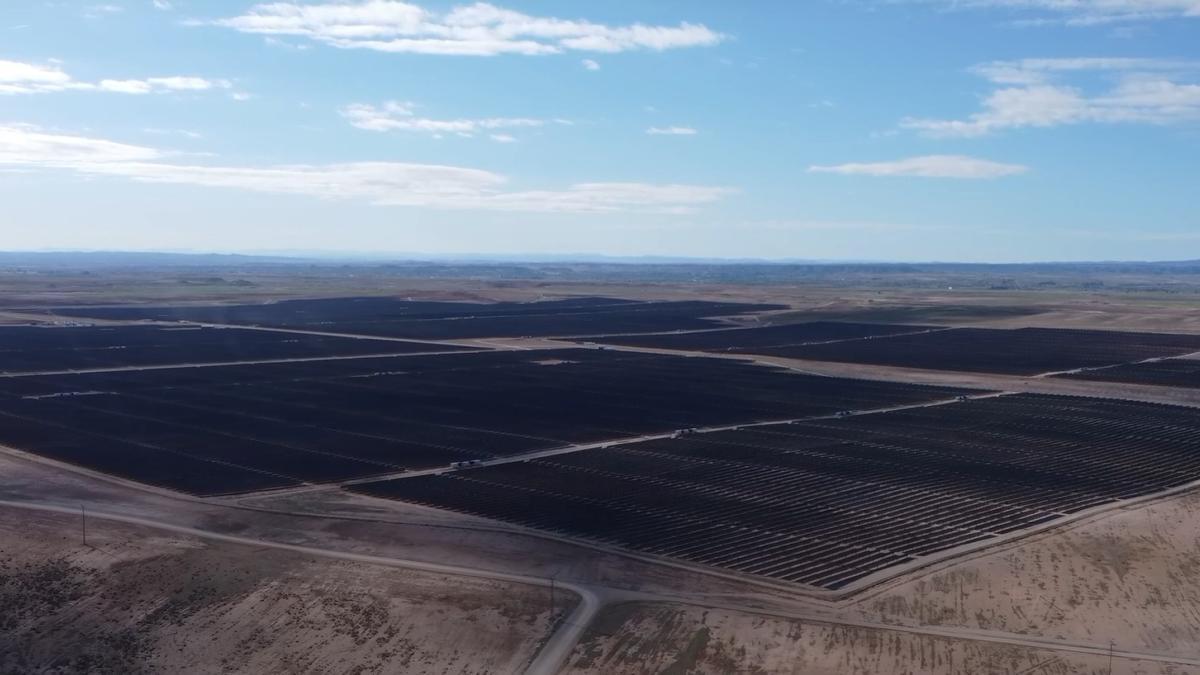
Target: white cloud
{"type": "Point", "coordinates": [24, 145]}
{"type": "Point", "coordinates": [1040, 71]}
{"type": "Point", "coordinates": [98, 11]}
{"type": "Point", "coordinates": [178, 83]}
{"type": "Point", "coordinates": [126, 86]}
{"type": "Point", "coordinates": [1084, 12]}
{"type": "Point", "coordinates": [28, 78]}
{"type": "Point", "coordinates": [672, 131]}
{"type": "Point", "coordinates": [284, 44]}
{"type": "Point", "coordinates": [1032, 93]}
{"type": "Point", "coordinates": [164, 5]}
{"type": "Point", "coordinates": [480, 29]}
{"type": "Point", "coordinates": [162, 84]}
{"type": "Point", "coordinates": [384, 183]}
{"type": "Point", "coordinates": [589, 64]}
{"type": "Point", "coordinates": [157, 84]}
{"type": "Point", "coordinates": [503, 138]}
{"type": "Point", "coordinates": [930, 166]}
{"type": "Point", "coordinates": [399, 116]}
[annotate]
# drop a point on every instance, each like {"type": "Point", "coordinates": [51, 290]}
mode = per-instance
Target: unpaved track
{"type": "Point", "coordinates": [569, 449]}
{"type": "Point", "coordinates": [1031, 384]}
{"type": "Point", "coordinates": [592, 599]}
{"type": "Point", "coordinates": [554, 652]}
{"type": "Point", "coordinates": [256, 362]}
{"type": "Point", "coordinates": [548, 660]}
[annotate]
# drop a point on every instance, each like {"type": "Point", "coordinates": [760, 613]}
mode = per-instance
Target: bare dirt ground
{"type": "Point", "coordinates": [1132, 576]}
{"type": "Point", "coordinates": [137, 600]}
{"type": "Point", "coordinates": [643, 639]}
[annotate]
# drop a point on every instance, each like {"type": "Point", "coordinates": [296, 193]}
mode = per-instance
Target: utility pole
{"type": "Point", "coordinates": [83, 522]}
{"type": "Point", "coordinates": [552, 599]}
{"type": "Point", "coordinates": [1111, 644]}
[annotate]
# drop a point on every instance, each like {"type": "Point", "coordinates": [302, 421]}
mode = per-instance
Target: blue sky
{"type": "Point", "coordinates": [972, 130]}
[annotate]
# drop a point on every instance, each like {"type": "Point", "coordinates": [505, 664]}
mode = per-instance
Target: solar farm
{"type": "Point", "coordinates": [649, 429]}
{"type": "Point", "coordinates": [447, 320]}
{"type": "Point", "coordinates": [750, 340]}
{"type": "Point", "coordinates": [1183, 373]}
{"type": "Point", "coordinates": [41, 349]}
{"type": "Point", "coordinates": [237, 428]}
{"type": "Point", "coordinates": [828, 502]}
{"type": "Point", "coordinates": [1024, 351]}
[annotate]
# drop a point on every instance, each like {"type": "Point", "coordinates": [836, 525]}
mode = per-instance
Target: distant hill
{"type": "Point", "coordinates": [110, 259]}
{"type": "Point", "coordinates": [1169, 276]}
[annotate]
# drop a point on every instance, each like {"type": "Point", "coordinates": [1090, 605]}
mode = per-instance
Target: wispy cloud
{"type": "Point", "coordinates": [27, 145]}
{"type": "Point", "coordinates": [672, 131]}
{"type": "Point", "coordinates": [284, 44]}
{"type": "Point", "coordinates": [27, 78]}
{"type": "Point", "coordinates": [164, 5]}
{"type": "Point", "coordinates": [589, 64]}
{"type": "Point", "coordinates": [480, 29]}
{"type": "Point", "coordinates": [99, 11]}
{"type": "Point", "coordinates": [17, 77]}
{"type": "Point", "coordinates": [187, 133]}
{"type": "Point", "coordinates": [1039, 93]}
{"type": "Point", "coordinates": [400, 116]}
{"type": "Point", "coordinates": [929, 166]}
{"type": "Point", "coordinates": [162, 84]}
{"type": "Point", "coordinates": [382, 183]}
{"type": "Point", "coordinates": [1080, 12]}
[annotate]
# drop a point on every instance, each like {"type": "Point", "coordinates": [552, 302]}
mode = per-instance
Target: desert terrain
{"type": "Point", "coordinates": [135, 599]}
{"type": "Point", "coordinates": [317, 579]}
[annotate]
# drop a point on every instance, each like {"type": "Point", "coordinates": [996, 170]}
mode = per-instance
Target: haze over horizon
{"type": "Point", "coordinates": [53, 255]}
{"type": "Point", "coordinates": [899, 130]}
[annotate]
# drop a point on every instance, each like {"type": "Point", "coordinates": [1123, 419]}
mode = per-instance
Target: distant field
{"type": "Point", "coordinates": [231, 429]}
{"type": "Point", "coordinates": [749, 340]}
{"type": "Point", "coordinates": [446, 320]}
{"type": "Point", "coordinates": [1167, 373]}
{"type": "Point", "coordinates": [1023, 351]}
{"type": "Point", "coordinates": [35, 348]}
{"type": "Point", "coordinates": [828, 502]}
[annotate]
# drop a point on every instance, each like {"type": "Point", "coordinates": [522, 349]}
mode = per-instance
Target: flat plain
{"type": "Point", "coordinates": [962, 497]}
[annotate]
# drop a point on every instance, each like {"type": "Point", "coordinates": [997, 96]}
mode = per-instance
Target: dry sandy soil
{"type": "Point", "coordinates": [137, 600]}
{"type": "Point", "coordinates": [1132, 576]}
{"type": "Point", "coordinates": [636, 639]}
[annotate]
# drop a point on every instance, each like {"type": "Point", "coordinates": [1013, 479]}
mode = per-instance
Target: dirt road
{"type": "Point", "coordinates": [592, 599]}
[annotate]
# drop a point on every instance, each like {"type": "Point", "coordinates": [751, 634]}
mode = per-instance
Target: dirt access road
{"type": "Point", "coordinates": [555, 651]}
